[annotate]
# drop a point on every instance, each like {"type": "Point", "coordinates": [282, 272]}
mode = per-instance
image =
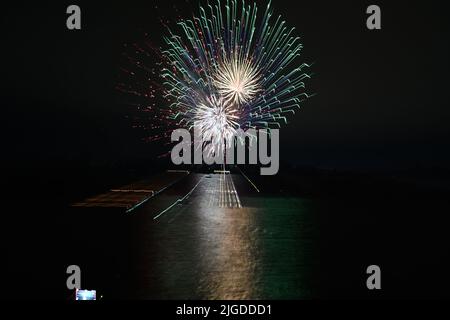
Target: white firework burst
{"type": "Point", "coordinates": [237, 80]}
{"type": "Point", "coordinates": [216, 120]}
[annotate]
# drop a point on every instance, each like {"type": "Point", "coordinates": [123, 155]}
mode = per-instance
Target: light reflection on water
{"type": "Point", "coordinates": [229, 254]}
{"type": "Point", "coordinates": [199, 250]}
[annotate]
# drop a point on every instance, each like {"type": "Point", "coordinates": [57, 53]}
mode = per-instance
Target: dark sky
{"type": "Point", "coordinates": [381, 95]}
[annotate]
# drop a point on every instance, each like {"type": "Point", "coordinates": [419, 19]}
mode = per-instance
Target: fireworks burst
{"type": "Point", "coordinates": [237, 81]}
{"type": "Point", "coordinates": [216, 120]}
{"type": "Point", "coordinates": [232, 67]}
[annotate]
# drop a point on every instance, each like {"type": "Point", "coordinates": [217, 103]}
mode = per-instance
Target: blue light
{"type": "Point", "coordinates": [85, 294]}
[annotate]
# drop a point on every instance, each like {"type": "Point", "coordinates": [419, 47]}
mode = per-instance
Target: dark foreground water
{"type": "Point", "coordinates": [207, 249]}
{"type": "Point", "coordinates": [213, 245]}
{"type": "Point", "coordinates": [227, 241]}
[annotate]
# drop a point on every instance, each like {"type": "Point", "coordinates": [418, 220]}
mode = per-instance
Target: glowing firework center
{"type": "Point", "coordinates": [216, 121]}
{"type": "Point", "coordinates": [237, 81]}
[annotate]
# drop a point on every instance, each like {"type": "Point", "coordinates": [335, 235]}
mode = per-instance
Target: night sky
{"type": "Point", "coordinates": [380, 105]}
{"type": "Point", "coordinates": [381, 96]}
